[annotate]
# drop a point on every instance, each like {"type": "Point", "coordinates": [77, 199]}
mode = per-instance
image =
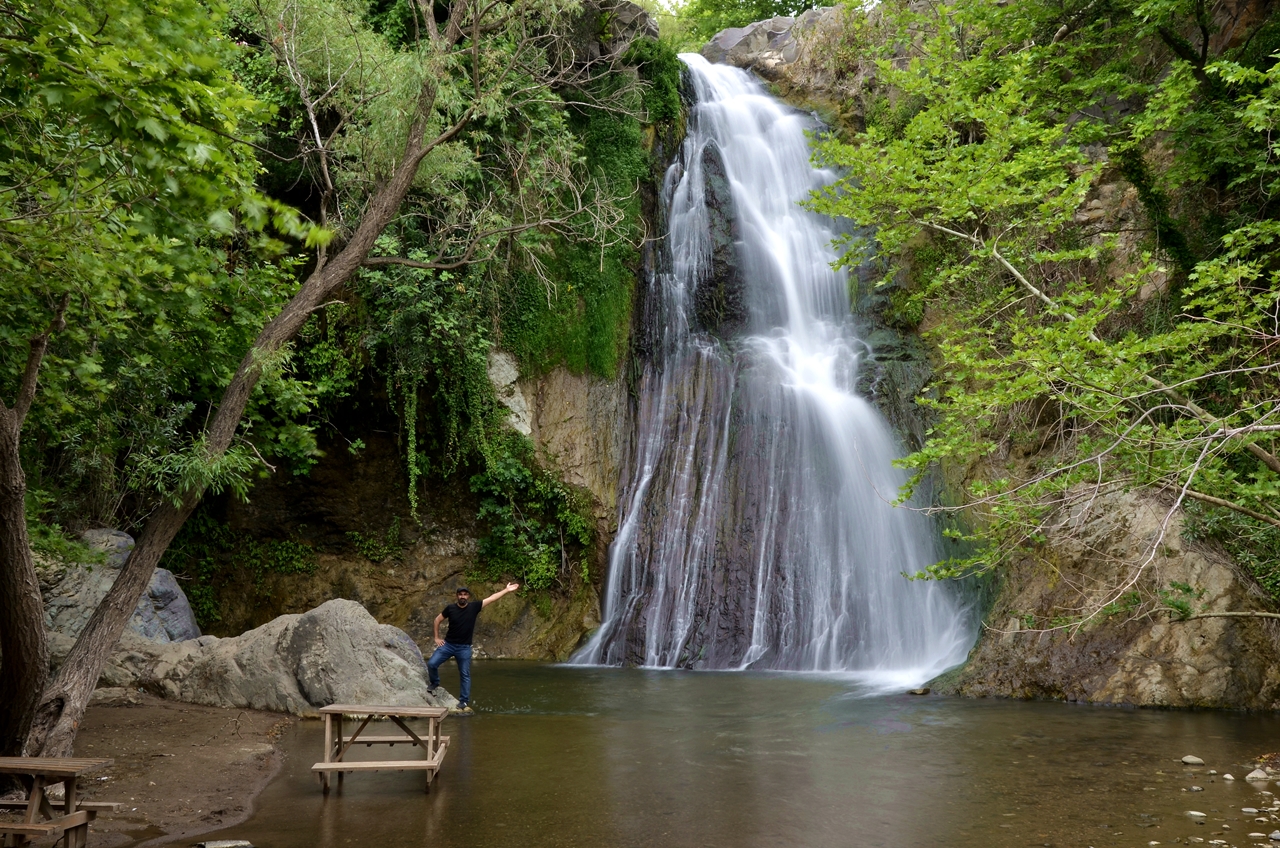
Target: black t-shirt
{"type": "Point", "coordinates": [462, 622]}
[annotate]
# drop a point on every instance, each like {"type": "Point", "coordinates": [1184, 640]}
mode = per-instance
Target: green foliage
{"type": "Point", "coordinates": [379, 550]}
{"type": "Point", "coordinates": [1252, 543]}
{"type": "Point", "coordinates": [207, 554]}
{"type": "Point", "coordinates": [1055, 335]}
{"type": "Point", "coordinates": [537, 523]}
{"type": "Point", "coordinates": [659, 66]}
{"type": "Point", "coordinates": [126, 202]}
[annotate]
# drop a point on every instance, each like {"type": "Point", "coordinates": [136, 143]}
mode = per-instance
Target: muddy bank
{"type": "Point", "coordinates": [180, 769]}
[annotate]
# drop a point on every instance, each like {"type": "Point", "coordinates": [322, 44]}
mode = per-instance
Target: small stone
{"type": "Point", "coordinates": [1256, 774]}
{"type": "Point", "coordinates": [1189, 760]}
{"type": "Point", "coordinates": [1257, 836]}
{"type": "Point", "coordinates": [1274, 836]}
{"type": "Point", "coordinates": [1213, 771]}
{"type": "Point", "coordinates": [1197, 789]}
{"type": "Point", "coordinates": [1228, 777]}
{"type": "Point", "coordinates": [1249, 811]}
{"type": "Point", "coordinates": [1196, 814]}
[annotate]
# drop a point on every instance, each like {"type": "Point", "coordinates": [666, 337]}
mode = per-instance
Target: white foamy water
{"type": "Point", "coordinates": [756, 529]}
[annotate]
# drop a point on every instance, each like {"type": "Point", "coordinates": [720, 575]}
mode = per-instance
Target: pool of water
{"type": "Point", "coordinates": [623, 757]}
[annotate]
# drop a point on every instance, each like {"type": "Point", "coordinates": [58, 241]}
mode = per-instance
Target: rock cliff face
{"type": "Point", "coordinates": [578, 424]}
{"type": "Point", "coordinates": [1127, 657]}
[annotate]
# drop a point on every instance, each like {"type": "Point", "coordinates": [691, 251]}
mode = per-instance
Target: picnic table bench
{"type": "Point", "coordinates": [72, 821]}
{"type": "Point", "coordinates": [336, 746]}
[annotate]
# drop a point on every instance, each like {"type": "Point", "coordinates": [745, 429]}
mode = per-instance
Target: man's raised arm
{"type": "Point", "coordinates": [511, 587]}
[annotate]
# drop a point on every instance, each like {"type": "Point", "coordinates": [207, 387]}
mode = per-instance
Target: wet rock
{"type": "Point", "coordinates": [72, 592]}
{"type": "Point", "coordinates": [1228, 777]}
{"type": "Point", "coordinates": [1256, 774]}
{"type": "Point", "coordinates": [1189, 760]}
{"type": "Point", "coordinates": [1249, 811]}
{"type": "Point", "coordinates": [719, 300]}
{"type": "Point", "coordinates": [1196, 814]}
{"type": "Point", "coordinates": [1197, 788]}
{"type": "Point", "coordinates": [923, 690]}
{"type": "Point", "coordinates": [224, 843]}
{"type": "Point", "coordinates": [1274, 836]}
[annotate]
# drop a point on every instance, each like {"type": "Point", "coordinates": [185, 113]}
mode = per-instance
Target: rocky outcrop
{"type": "Point", "coordinates": [72, 592]}
{"type": "Point", "coordinates": [504, 373]}
{"type": "Point", "coordinates": [578, 425]}
{"type": "Point", "coordinates": [719, 300]}
{"type": "Point", "coordinates": [336, 653]}
{"type": "Point", "coordinates": [794, 54]}
{"type": "Point", "coordinates": [1133, 655]}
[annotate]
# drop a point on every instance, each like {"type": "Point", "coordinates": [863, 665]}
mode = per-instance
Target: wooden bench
{"type": "Point", "coordinates": [72, 822]}
{"type": "Point", "coordinates": [336, 747]}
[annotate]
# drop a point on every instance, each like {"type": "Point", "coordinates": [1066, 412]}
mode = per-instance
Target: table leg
{"type": "Point", "coordinates": [338, 720]}
{"type": "Point", "coordinates": [34, 799]}
{"type": "Point", "coordinates": [74, 838]}
{"type": "Point", "coordinates": [328, 751]}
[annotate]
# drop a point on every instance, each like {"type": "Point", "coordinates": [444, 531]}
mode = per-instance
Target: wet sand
{"type": "Point", "coordinates": [180, 769]}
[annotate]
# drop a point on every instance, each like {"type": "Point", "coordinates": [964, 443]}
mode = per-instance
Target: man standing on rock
{"type": "Point", "coordinates": [461, 615]}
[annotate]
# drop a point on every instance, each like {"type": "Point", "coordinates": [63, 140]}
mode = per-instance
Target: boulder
{"type": "Point", "coordinates": [72, 592]}
{"type": "Point", "coordinates": [768, 47]}
{"type": "Point", "coordinates": [336, 653]}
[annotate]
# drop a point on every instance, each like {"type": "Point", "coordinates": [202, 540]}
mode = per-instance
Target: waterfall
{"type": "Point", "coordinates": [757, 528]}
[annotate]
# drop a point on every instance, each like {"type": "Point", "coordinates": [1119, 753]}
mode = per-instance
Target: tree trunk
{"type": "Point", "coordinates": [24, 650]}
{"type": "Point", "coordinates": [64, 702]}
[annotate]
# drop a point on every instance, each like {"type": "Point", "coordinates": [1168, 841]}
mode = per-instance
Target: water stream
{"type": "Point", "coordinates": [757, 528]}
{"type": "Point", "coordinates": [633, 758]}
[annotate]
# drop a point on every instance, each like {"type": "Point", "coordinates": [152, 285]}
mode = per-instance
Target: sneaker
{"type": "Point", "coordinates": [462, 709]}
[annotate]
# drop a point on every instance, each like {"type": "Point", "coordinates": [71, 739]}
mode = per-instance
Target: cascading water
{"type": "Point", "coordinates": [757, 530]}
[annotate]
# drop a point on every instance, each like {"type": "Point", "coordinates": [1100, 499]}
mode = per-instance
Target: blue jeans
{"type": "Point", "coordinates": [462, 653]}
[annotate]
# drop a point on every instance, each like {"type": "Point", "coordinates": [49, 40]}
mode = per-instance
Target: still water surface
{"type": "Point", "coordinates": [625, 757]}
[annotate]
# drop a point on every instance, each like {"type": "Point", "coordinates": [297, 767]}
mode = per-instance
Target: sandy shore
{"type": "Point", "coordinates": [180, 769]}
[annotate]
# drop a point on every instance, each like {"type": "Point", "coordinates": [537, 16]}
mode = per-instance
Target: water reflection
{"type": "Point", "coordinates": [617, 757]}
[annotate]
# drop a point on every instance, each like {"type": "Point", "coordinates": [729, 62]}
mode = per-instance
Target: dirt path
{"type": "Point", "coordinates": [180, 769]}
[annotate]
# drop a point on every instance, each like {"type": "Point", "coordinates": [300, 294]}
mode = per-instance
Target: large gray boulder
{"type": "Point", "coordinates": [72, 592]}
{"type": "Point", "coordinates": [336, 653]}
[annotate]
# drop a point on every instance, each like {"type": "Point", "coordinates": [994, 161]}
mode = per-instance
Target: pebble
{"type": "Point", "coordinates": [1189, 760]}
{"type": "Point", "coordinates": [1275, 836]}
{"type": "Point", "coordinates": [1196, 814]}
{"type": "Point", "coordinates": [1213, 771]}
{"type": "Point", "coordinates": [1252, 811]}
{"type": "Point", "coordinates": [1257, 836]}
{"type": "Point", "coordinates": [1228, 777]}
{"type": "Point", "coordinates": [1197, 789]}
{"type": "Point", "coordinates": [1256, 774]}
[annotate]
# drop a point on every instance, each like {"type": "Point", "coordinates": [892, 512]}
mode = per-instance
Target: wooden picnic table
{"type": "Point", "coordinates": [336, 746]}
{"type": "Point", "coordinates": [40, 772]}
